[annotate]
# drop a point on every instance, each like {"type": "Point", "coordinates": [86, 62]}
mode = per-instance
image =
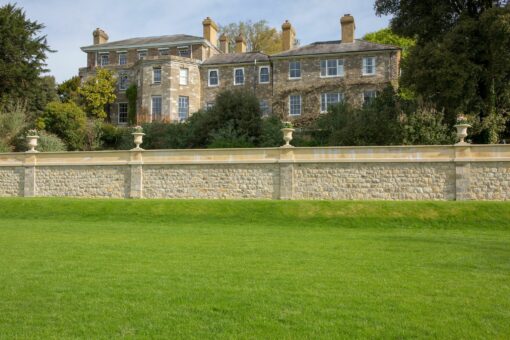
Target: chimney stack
{"type": "Point", "coordinates": [210, 31]}
{"type": "Point", "coordinates": [348, 27]}
{"type": "Point", "coordinates": [240, 44]}
{"type": "Point", "coordinates": [288, 36]}
{"type": "Point", "coordinates": [224, 43]}
{"type": "Point", "coordinates": [100, 36]}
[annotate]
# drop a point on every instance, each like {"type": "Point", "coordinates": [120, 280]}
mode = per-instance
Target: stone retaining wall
{"type": "Point", "coordinates": [472, 172]}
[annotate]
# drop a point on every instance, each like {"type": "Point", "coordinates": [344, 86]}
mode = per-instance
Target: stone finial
{"type": "Point", "coordinates": [348, 28]}
{"type": "Point", "coordinates": [240, 44]}
{"type": "Point", "coordinates": [288, 36]}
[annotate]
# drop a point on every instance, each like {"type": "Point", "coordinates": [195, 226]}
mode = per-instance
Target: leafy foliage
{"type": "Point", "coordinates": [388, 37]}
{"type": "Point", "coordinates": [22, 55]}
{"type": "Point", "coordinates": [97, 92]}
{"type": "Point", "coordinates": [259, 36]}
{"type": "Point", "coordinates": [131, 94]}
{"type": "Point", "coordinates": [12, 122]}
{"type": "Point", "coordinates": [68, 90]}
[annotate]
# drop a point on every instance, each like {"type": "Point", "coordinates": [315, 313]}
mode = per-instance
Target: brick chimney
{"type": "Point", "coordinates": [210, 31]}
{"type": "Point", "coordinates": [288, 36]}
{"type": "Point", "coordinates": [100, 36]}
{"type": "Point", "coordinates": [240, 44]}
{"type": "Point", "coordinates": [348, 27]}
{"type": "Point", "coordinates": [224, 43]}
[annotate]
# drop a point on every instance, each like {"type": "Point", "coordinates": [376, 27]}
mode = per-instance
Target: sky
{"type": "Point", "coordinates": [69, 23]}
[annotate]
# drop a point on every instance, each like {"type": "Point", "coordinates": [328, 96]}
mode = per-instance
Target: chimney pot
{"type": "Point", "coordinates": [288, 36]}
{"type": "Point", "coordinates": [210, 31]}
{"type": "Point", "coordinates": [240, 44]}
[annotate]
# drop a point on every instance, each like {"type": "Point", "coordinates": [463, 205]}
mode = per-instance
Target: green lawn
{"type": "Point", "coordinates": [253, 269]}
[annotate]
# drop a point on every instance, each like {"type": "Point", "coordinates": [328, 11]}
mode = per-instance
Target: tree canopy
{"type": "Point", "coordinates": [259, 36]}
{"type": "Point", "coordinates": [388, 37]}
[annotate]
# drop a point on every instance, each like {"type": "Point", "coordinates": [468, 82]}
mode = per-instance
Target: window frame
{"type": "Point", "coordinates": [268, 74]}
{"type": "Point", "coordinates": [300, 105]}
{"type": "Point", "coordinates": [120, 54]}
{"type": "Point", "coordinates": [118, 113]}
{"type": "Point", "coordinates": [290, 69]}
{"type": "Point", "coordinates": [154, 75]}
{"type": "Point", "coordinates": [268, 112]}
{"type": "Point", "coordinates": [372, 97]}
{"type": "Point", "coordinates": [187, 76]}
{"type": "Point", "coordinates": [209, 77]}
{"type": "Point", "coordinates": [181, 119]}
{"type": "Point", "coordinates": [121, 76]}
{"type": "Point", "coordinates": [160, 104]}
{"type": "Point", "coordinates": [340, 70]}
{"type": "Point", "coordinates": [324, 100]}
{"type": "Point", "coordinates": [364, 66]}
{"type": "Point", "coordinates": [235, 80]}
{"type": "Point", "coordinates": [101, 55]}
{"type": "Point", "coordinates": [163, 49]}
{"type": "Point", "coordinates": [144, 52]}
{"type": "Point", "coordinates": [182, 48]}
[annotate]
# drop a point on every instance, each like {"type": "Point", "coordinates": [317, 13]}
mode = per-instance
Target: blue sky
{"type": "Point", "coordinates": [69, 23]}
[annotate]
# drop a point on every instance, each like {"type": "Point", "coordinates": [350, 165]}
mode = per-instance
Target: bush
{"type": "Point", "coordinates": [12, 122]}
{"type": "Point", "coordinates": [426, 127]}
{"type": "Point", "coordinates": [49, 142]}
{"type": "Point", "coordinates": [161, 135]}
{"type": "Point", "coordinates": [67, 121]}
{"type": "Point", "coordinates": [271, 135]}
{"type": "Point", "coordinates": [229, 137]}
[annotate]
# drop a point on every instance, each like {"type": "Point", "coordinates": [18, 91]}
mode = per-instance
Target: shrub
{"type": "Point", "coordinates": [229, 137]}
{"type": "Point", "coordinates": [131, 94]}
{"type": "Point", "coordinates": [426, 127]}
{"type": "Point", "coordinates": [271, 135]}
{"type": "Point", "coordinates": [12, 122]}
{"type": "Point", "coordinates": [67, 121]}
{"type": "Point", "coordinates": [49, 142]}
{"type": "Point", "coordinates": [161, 135]}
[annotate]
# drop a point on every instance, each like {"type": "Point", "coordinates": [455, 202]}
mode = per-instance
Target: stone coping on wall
{"type": "Point", "coordinates": [386, 154]}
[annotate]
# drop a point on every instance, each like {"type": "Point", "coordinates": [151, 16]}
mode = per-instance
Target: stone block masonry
{"type": "Point", "coordinates": [472, 172]}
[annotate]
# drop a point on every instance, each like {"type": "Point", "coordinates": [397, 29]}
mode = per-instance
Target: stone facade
{"type": "Point", "coordinates": [331, 173]}
{"type": "Point", "coordinates": [203, 55]}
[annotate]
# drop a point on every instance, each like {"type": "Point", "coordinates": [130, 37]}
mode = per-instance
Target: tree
{"type": "Point", "coordinates": [461, 59]}
{"type": "Point", "coordinates": [68, 90]}
{"type": "Point", "coordinates": [132, 94]}
{"type": "Point", "coordinates": [22, 54]}
{"type": "Point", "coordinates": [97, 92]}
{"type": "Point", "coordinates": [67, 121]}
{"type": "Point", "coordinates": [388, 37]}
{"type": "Point", "coordinates": [259, 36]}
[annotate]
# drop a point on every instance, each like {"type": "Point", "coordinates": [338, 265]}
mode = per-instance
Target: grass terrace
{"type": "Point", "coordinates": [253, 269]}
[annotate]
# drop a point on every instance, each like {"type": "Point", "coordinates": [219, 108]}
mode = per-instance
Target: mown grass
{"type": "Point", "coordinates": [253, 269]}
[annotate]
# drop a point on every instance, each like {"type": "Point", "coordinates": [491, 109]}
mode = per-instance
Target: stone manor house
{"type": "Point", "coordinates": [177, 75]}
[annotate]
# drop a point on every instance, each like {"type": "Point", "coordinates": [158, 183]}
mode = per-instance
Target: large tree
{"type": "Point", "coordinates": [259, 36]}
{"type": "Point", "coordinates": [388, 37]}
{"type": "Point", "coordinates": [22, 55]}
{"type": "Point", "coordinates": [98, 92]}
{"type": "Point", "coordinates": [461, 59]}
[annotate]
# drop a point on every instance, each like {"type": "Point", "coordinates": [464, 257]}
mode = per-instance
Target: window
{"type": "Point", "coordinates": [183, 76]}
{"type": "Point", "coordinates": [123, 113]}
{"type": "Point", "coordinates": [156, 108]}
{"type": "Point", "coordinates": [328, 99]}
{"type": "Point", "coordinates": [123, 82]}
{"type": "Point", "coordinates": [369, 96]}
{"type": "Point", "coordinates": [294, 69]}
{"type": "Point", "coordinates": [183, 108]}
{"type": "Point", "coordinates": [239, 76]}
{"type": "Point", "coordinates": [122, 58]}
{"type": "Point", "coordinates": [142, 54]}
{"type": "Point", "coordinates": [264, 108]}
{"type": "Point", "coordinates": [164, 51]}
{"type": "Point", "coordinates": [332, 68]}
{"type": "Point", "coordinates": [184, 51]}
{"type": "Point", "coordinates": [295, 105]}
{"type": "Point", "coordinates": [209, 105]}
{"type": "Point", "coordinates": [214, 79]}
{"type": "Point", "coordinates": [104, 59]}
{"type": "Point", "coordinates": [264, 74]}
{"type": "Point", "coordinates": [156, 75]}
{"type": "Point", "coordinates": [368, 66]}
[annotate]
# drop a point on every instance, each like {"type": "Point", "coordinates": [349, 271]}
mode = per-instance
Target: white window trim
{"type": "Point", "coordinates": [338, 75]}
{"type": "Point", "coordinates": [187, 76]}
{"type": "Point", "coordinates": [341, 98]}
{"type": "Point", "coordinates": [120, 54]}
{"type": "Point", "coordinates": [363, 95]}
{"type": "Point", "coordinates": [160, 75]}
{"type": "Point", "coordinates": [363, 64]}
{"type": "Point", "coordinates": [118, 113]}
{"type": "Point", "coordinates": [268, 73]}
{"type": "Point", "coordinates": [179, 108]}
{"type": "Point", "coordinates": [152, 107]}
{"type": "Point", "coordinates": [244, 76]}
{"type": "Point", "coordinates": [209, 77]}
{"type": "Point", "coordinates": [300, 105]}
{"type": "Point", "coordinates": [300, 70]}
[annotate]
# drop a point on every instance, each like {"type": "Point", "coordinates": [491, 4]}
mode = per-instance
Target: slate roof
{"type": "Point", "coordinates": [237, 58]}
{"type": "Point", "coordinates": [146, 41]}
{"type": "Point", "coordinates": [335, 46]}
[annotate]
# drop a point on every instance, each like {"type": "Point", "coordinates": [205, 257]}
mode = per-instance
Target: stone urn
{"type": "Point", "coordinates": [287, 137]}
{"type": "Point", "coordinates": [138, 137]}
{"type": "Point", "coordinates": [462, 132]}
{"type": "Point", "coordinates": [32, 142]}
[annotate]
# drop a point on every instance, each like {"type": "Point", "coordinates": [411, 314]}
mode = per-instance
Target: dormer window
{"type": "Point", "coordinates": [184, 51]}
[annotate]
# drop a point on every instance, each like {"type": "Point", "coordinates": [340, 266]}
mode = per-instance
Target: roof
{"type": "Point", "coordinates": [236, 58]}
{"type": "Point", "coordinates": [335, 46]}
{"type": "Point", "coordinates": [146, 42]}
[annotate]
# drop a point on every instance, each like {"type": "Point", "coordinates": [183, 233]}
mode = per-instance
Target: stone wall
{"type": "Point", "coordinates": [460, 172]}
